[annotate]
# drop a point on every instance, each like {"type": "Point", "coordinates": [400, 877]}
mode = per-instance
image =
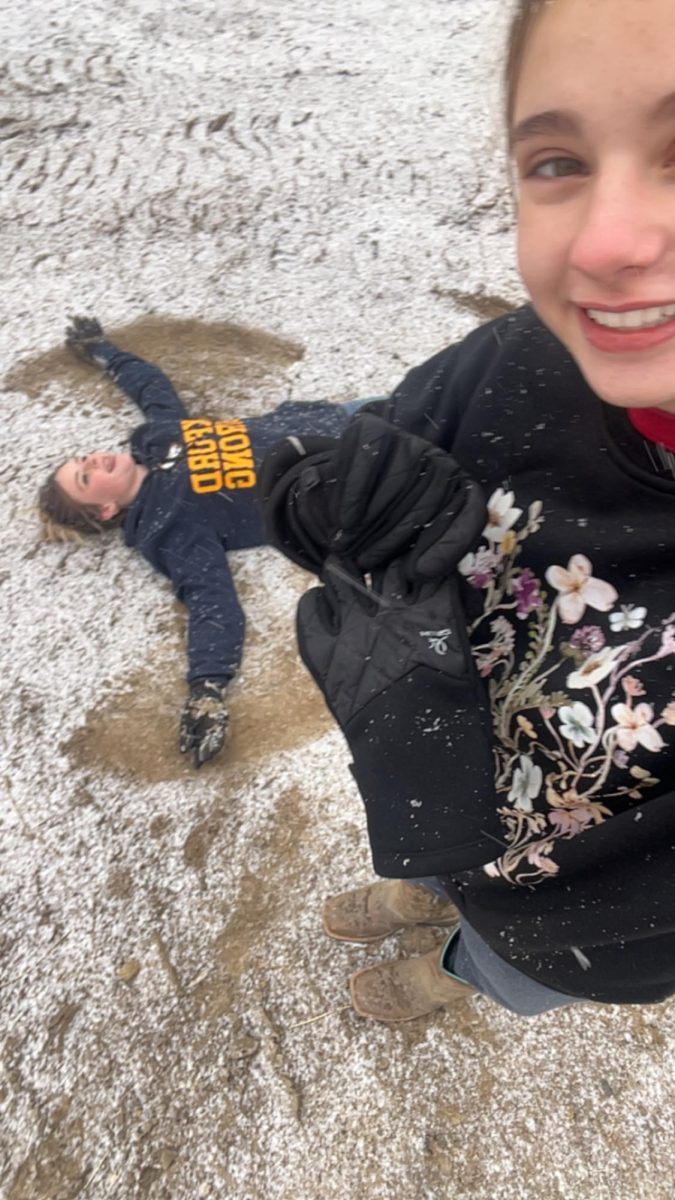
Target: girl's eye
{"type": "Point", "coordinates": [85, 479]}
{"type": "Point", "coordinates": [555, 168]}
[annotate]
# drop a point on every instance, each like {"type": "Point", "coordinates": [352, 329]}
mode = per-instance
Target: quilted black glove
{"type": "Point", "coordinates": [86, 339]}
{"type": "Point", "coordinates": [395, 668]}
{"type": "Point", "coordinates": [203, 721]}
{"type": "Point", "coordinates": [375, 494]}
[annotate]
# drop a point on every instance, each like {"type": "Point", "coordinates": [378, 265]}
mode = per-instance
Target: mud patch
{"type": "Point", "coordinates": [53, 1170]}
{"type": "Point", "coordinates": [159, 826]}
{"type": "Point", "coordinates": [210, 363]}
{"type": "Point", "coordinates": [136, 731]}
{"type": "Point", "coordinates": [198, 843]}
{"type": "Point", "coordinates": [120, 884]}
{"type": "Point", "coordinates": [59, 1024]}
{"type": "Point", "coordinates": [481, 304]}
{"type": "Point", "coordinates": [261, 903]}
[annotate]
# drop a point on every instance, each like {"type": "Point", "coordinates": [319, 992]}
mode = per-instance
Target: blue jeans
{"type": "Point", "coordinates": [465, 956]}
{"type": "Point", "coordinates": [352, 406]}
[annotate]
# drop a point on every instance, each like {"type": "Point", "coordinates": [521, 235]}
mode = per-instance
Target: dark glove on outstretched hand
{"type": "Point", "coordinates": [204, 721]}
{"type": "Point", "coordinates": [85, 336]}
{"type": "Point", "coordinates": [395, 667]}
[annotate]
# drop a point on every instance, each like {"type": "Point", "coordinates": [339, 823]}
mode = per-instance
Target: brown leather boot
{"type": "Point", "coordinates": [407, 989]}
{"type": "Point", "coordinates": [370, 913]}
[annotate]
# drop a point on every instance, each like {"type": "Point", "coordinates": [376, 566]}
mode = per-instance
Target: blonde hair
{"type": "Point", "coordinates": [64, 519]}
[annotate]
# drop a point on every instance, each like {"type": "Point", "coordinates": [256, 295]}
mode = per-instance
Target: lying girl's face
{"type": "Point", "coordinates": [106, 480]}
{"type": "Point", "coordinates": [593, 137]}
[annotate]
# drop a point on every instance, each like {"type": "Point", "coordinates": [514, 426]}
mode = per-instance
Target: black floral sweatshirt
{"type": "Point", "coordinates": [571, 603]}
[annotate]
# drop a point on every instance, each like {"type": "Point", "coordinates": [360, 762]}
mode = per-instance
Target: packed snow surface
{"type": "Point", "coordinates": [271, 200]}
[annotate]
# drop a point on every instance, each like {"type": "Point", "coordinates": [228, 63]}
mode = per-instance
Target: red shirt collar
{"type": "Point", "coordinates": [655, 425]}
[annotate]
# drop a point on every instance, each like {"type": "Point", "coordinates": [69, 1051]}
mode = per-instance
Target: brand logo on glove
{"type": "Point", "coordinates": [438, 639]}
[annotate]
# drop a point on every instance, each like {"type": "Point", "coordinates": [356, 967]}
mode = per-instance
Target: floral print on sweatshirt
{"type": "Point", "coordinates": [571, 713]}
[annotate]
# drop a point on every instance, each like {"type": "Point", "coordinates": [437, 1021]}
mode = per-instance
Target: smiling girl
{"type": "Point", "coordinates": [565, 412]}
{"type": "Point", "coordinates": [183, 495]}
{"type": "Point", "coordinates": [102, 484]}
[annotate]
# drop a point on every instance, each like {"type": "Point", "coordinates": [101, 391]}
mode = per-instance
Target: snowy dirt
{"type": "Point", "coordinates": [271, 200]}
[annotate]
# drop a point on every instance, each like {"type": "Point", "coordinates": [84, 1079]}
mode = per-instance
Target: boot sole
{"type": "Point", "coordinates": [379, 937]}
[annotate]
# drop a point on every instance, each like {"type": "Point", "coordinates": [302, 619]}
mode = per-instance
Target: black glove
{"type": "Point", "coordinates": [375, 494]}
{"type": "Point", "coordinates": [203, 721]}
{"type": "Point", "coordinates": [396, 671]}
{"type": "Point", "coordinates": [84, 336]}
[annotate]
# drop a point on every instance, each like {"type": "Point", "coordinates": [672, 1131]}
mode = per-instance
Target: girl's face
{"type": "Point", "coordinates": [108, 481]}
{"type": "Point", "coordinates": [593, 138]}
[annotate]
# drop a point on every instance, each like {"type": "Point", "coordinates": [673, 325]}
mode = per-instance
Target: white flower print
{"type": "Point", "coordinates": [578, 589]}
{"type": "Point", "coordinates": [526, 785]}
{"type": "Point", "coordinates": [634, 727]}
{"type": "Point", "coordinates": [595, 667]}
{"type": "Point", "coordinates": [501, 515]}
{"type": "Point", "coordinates": [577, 724]}
{"type": "Point", "coordinates": [630, 616]}
{"type": "Point", "coordinates": [479, 568]}
{"type": "Point", "coordinates": [563, 776]}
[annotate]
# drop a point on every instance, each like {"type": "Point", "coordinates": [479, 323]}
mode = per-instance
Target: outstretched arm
{"type": "Point", "coordinates": [197, 565]}
{"type": "Point", "coordinates": [141, 381]}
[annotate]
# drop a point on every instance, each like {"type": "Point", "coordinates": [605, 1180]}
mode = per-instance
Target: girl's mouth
{"type": "Point", "coordinates": [633, 318]}
{"type": "Point", "coordinates": [629, 329]}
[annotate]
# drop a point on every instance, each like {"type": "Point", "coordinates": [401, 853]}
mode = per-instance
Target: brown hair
{"type": "Point", "coordinates": [64, 519]}
{"type": "Point", "coordinates": [526, 12]}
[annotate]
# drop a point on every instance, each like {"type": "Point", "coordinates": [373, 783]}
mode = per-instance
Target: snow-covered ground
{"type": "Point", "coordinates": [227, 185]}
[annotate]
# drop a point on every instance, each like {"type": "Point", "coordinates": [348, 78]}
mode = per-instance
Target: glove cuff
{"type": "Point", "coordinates": [97, 350]}
{"type": "Point", "coordinates": [295, 505]}
{"type": "Point", "coordinates": [213, 688]}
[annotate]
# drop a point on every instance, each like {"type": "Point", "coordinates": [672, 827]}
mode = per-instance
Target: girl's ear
{"type": "Point", "coordinates": [108, 510]}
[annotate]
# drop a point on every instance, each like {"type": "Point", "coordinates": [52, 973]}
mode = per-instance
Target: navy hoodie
{"type": "Point", "coordinates": [199, 499]}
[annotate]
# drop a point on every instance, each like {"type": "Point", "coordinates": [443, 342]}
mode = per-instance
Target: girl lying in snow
{"type": "Point", "coordinates": [564, 412]}
{"type": "Point", "coordinates": [183, 494]}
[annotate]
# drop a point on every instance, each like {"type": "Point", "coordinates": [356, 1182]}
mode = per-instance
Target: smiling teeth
{"type": "Point", "coordinates": [637, 318]}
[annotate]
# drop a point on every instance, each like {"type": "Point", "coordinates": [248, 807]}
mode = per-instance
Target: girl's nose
{"type": "Point", "coordinates": [622, 227]}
